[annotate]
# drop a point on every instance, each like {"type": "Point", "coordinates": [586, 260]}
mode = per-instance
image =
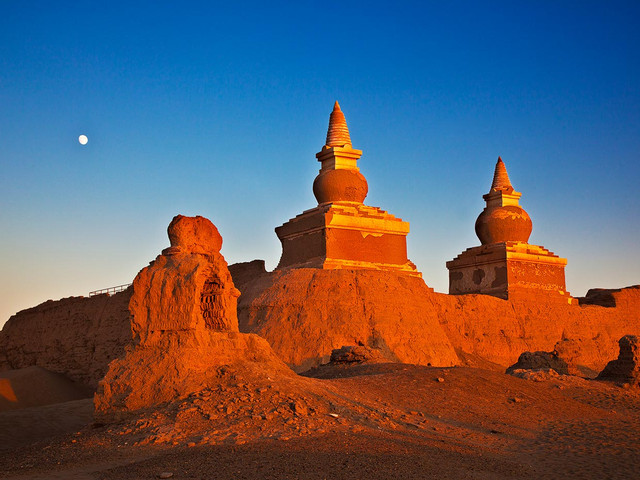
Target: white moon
{"type": "Point", "coordinates": [83, 139]}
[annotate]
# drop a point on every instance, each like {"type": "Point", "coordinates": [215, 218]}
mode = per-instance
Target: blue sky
{"type": "Point", "coordinates": [218, 109]}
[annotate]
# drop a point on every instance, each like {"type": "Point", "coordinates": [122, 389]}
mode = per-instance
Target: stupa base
{"type": "Point", "coordinates": [346, 236]}
{"type": "Point", "coordinates": [509, 270]}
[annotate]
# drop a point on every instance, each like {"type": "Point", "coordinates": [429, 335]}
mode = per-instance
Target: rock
{"type": "Point", "coordinates": [602, 296]}
{"type": "Point", "coordinates": [193, 235]}
{"type": "Point", "coordinates": [246, 272]}
{"type": "Point", "coordinates": [177, 365]}
{"type": "Point", "coordinates": [626, 368]}
{"type": "Point", "coordinates": [357, 354]}
{"type": "Point", "coordinates": [574, 353]}
{"type": "Point", "coordinates": [183, 317]}
{"type": "Point", "coordinates": [539, 375]}
{"type": "Point", "coordinates": [540, 361]}
{"type": "Point", "coordinates": [183, 291]}
{"type": "Point", "coordinates": [299, 408]}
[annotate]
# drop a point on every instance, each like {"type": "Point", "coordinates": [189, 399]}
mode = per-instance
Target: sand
{"type": "Point", "coordinates": [371, 421]}
{"type": "Point", "coordinates": [35, 386]}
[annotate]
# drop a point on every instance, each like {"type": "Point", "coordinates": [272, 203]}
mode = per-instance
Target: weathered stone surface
{"type": "Point", "coordinates": [602, 296]}
{"type": "Point", "coordinates": [185, 326]}
{"type": "Point", "coordinates": [79, 336]}
{"type": "Point", "coordinates": [194, 235]}
{"type": "Point", "coordinates": [626, 368]}
{"type": "Point", "coordinates": [76, 336]}
{"type": "Point", "coordinates": [573, 351]}
{"type": "Point", "coordinates": [536, 375]}
{"type": "Point", "coordinates": [188, 287]}
{"type": "Point", "coordinates": [357, 354]}
{"type": "Point", "coordinates": [509, 270]}
{"type": "Point", "coordinates": [499, 330]}
{"type": "Point", "coordinates": [307, 313]}
{"type": "Point", "coordinates": [540, 361]}
{"type": "Point", "coordinates": [183, 291]}
{"type": "Point", "coordinates": [245, 272]}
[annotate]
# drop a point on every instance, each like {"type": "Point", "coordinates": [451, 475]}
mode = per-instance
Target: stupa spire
{"type": "Point", "coordinates": [501, 177]}
{"type": "Point", "coordinates": [338, 132]}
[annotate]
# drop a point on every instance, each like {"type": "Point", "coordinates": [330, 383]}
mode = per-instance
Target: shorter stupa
{"type": "Point", "coordinates": [342, 232]}
{"type": "Point", "coordinates": [506, 265]}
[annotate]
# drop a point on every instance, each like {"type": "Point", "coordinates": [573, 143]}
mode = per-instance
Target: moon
{"type": "Point", "coordinates": [83, 139]}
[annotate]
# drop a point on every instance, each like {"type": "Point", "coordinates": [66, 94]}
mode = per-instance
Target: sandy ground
{"type": "Point", "coordinates": [365, 422]}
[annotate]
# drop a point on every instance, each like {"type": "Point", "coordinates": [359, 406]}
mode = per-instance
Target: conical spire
{"type": "Point", "coordinates": [338, 132]}
{"type": "Point", "coordinates": [501, 177]}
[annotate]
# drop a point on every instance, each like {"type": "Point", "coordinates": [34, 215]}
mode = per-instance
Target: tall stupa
{"type": "Point", "coordinates": [506, 265]}
{"type": "Point", "coordinates": [342, 232]}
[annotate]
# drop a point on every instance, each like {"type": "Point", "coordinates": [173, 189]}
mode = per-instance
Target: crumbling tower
{"type": "Point", "coordinates": [342, 232]}
{"type": "Point", "coordinates": [506, 265]}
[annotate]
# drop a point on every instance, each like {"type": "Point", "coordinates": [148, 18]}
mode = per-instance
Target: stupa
{"type": "Point", "coordinates": [506, 265]}
{"type": "Point", "coordinates": [342, 232]}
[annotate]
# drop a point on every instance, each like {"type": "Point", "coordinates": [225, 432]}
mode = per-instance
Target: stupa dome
{"type": "Point", "coordinates": [503, 220]}
{"type": "Point", "coordinates": [340, 186]}
{"type": "Point", "coordinates": [504, 224]}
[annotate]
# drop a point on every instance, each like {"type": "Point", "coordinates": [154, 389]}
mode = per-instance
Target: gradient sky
{"type": "Point", "coordinates": [218, 108]}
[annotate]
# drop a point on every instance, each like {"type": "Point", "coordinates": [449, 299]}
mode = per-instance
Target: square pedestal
{"type": "Point", "coordinates": [345, 235]}
{"type": "Point", "coordinates": [509, 270]}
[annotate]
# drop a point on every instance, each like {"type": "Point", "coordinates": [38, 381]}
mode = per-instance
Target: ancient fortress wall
{"type": "Point", "coordinates": [305, 313]}
{"type": "Point", "coordinates": [500, 330]}
{"type": "Point", "coordinates": [76, 336]}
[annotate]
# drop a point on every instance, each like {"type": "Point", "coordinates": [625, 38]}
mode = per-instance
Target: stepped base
{"type": "Point", "coordinates": [509, 270]}
{"type": "Point", "coordinates": [346, 236]}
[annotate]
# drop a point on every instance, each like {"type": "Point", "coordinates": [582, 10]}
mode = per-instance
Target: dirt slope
{"type": "Point", "coordinates": [375, 421]}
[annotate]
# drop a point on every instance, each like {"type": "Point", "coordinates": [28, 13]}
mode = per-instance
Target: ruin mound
{"type": "Point", "coordinates": [306, 313]}
{"type": "Point", "coordinates": [626, 368]}
{"type": "Point", "coordinates": [540, 361]}
{"type": "Point", "coordinates": [185, 328]}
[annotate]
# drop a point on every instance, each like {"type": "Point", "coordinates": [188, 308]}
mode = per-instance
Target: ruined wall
{"type": "Point", "coordinates": [489, 278]}
{"type": "Point", "coordinates": [306, 313]}
{"type": "Point", "coordinates": [500, 330]}
{"type": "Point", "coordinates": [76, 336]}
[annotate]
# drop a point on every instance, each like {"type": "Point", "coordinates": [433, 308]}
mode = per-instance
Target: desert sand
{"type": "Point", "coordinates": [363, 421]}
